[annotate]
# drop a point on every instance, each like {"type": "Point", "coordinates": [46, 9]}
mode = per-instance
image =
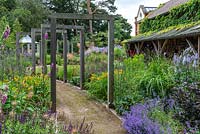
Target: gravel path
{"type": "Point", "coordinates": [76, 105]}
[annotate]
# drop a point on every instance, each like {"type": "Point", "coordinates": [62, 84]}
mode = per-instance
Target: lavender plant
{"type": "Point", "coordinates": [137, 121]}
{"type": "Point", "coordinates": [151, 118]}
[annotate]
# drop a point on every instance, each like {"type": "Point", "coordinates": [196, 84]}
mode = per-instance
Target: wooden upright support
{"type": "Point", "coordinates": [53, 64]}
{"type": "Point", "coordinates": [33, 50]}
{"type": "Point", "coordinates": [191, 45]}
{"type": "Point", "coordinates": [110, 63]}
{"type": "Point", "coordinates": [164, 44]}
{"type": "Point", "coordinates": [17, 48]}
{"type": "Point", "coordinates": [82, 60]}
{"type": "Point", "coordinates": [43, 52]}
{"type": "Point", "coordinates": [159, 47]}
{"type": "Point", "coordinates": [65, 46]}
{"type": "Point", "coordinates": [199, 46]}
{"type": "Point", "coordinates": [156, 48]}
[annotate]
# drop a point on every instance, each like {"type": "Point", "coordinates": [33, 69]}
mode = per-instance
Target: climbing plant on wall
{"type": "Point", "coordinates": [183, 14]}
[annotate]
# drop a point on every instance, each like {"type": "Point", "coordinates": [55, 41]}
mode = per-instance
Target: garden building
{"type": "Point", "coordinates": [142, 13]}
{"type": "Point", "coordinates": [169, 29]}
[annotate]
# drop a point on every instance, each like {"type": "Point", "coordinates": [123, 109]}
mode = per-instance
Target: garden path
{"type": "Point", "coordinates": [76, 105]}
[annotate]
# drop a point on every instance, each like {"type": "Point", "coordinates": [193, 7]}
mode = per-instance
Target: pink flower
{"type": "Point", "coordinates": [6, 33]}
{"type": "Point", "coordinates": [46, 36]}
{"type": "Point", "coordinates": [52, 65]}
{"type": "Point", "coordinates": [4, 98]}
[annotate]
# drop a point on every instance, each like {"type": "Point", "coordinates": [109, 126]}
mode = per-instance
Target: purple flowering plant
{"type": "Point", "coordinates": [3, 95]}
{"type": "Point", "coordinates": [152, 118]}
{"type": "Point", "coordinates": [137, 121]}
{"type": "Point", "coordinates": [186, 66]}
{"type": "Point", "coordinates": [5, 35]}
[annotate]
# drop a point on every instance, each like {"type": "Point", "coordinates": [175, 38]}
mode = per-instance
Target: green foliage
{"type": "Point", "coordinates": [122, 29]}
{"type": "Point", "coordinates": [183, 14]}
{"type": "Point", "coordinates": [3, 24]}
{"type": "Point", "coordinates": [119, 53]}
{"type": "Point", "coordinates": [97, 87]}
{"type": "Point", "coordinates": [72, 71]}
{"type": "Point", "coordinates": [135, 80]}
{"type": "Point", "coordinates": [101, 39]}
{"type": "Point", "coordinates": [157, 78]}
{"type": "Point", "coordinates": [166, 120]}
{"type": "Point", "coordinates": [16, 27]}
{"type": "Point", "coordinates": [32, 126]}
{"type": "Point", "coordinates": [95, 63]}
{"type": "Point", "coordinates": [25, 93]}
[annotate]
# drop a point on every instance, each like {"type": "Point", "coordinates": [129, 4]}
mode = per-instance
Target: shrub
{"type": "Point", "coordinates": [166, 120]}
{"type": "Point", "coordinates": [187, 99]}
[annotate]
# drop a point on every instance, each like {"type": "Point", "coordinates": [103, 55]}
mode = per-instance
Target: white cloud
{"type": "Point", "coordinates": [129, 8]}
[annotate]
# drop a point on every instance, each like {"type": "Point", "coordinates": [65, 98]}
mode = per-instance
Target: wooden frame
{"type": "Point", "coordinates": [72, 16]}
{"type": "Point", "coordinates": [46, 28]}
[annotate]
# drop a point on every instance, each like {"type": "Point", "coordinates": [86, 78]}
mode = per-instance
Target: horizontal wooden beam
{"type": "Point", "coordinates": [81, 16]}
{"type": "Point", "coordinates": [47, 26]}
{"type": "Point", "coordinates": [24, 33]}
{"type": "Point", "coordinates": [38, 31]}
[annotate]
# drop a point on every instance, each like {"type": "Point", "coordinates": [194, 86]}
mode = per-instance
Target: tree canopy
{"type": "Point", "coordinates": [22, 15]}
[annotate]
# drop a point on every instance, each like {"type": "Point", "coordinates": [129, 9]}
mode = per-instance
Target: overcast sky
{"type": "Point", "coordinates": [129, 8]}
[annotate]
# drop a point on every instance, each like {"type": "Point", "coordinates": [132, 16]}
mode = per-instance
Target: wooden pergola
{"type": "Point", "coordinates": [72, 16]}
{"type": "Point", "coordinates": [46, 28]}
{"type": "Point", "coordinates": [160, 41]}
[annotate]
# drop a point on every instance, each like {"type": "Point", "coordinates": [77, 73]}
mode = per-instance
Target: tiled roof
{"type": "Point", "coordinates": [166, 7]}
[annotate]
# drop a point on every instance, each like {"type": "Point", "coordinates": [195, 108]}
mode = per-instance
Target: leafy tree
{"type": "Point", "coordinates": [122, 29]}
{"type": "Point", "coordinates": [30, 13]}
{"type": "Point", "coordinates": [97, 7]}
